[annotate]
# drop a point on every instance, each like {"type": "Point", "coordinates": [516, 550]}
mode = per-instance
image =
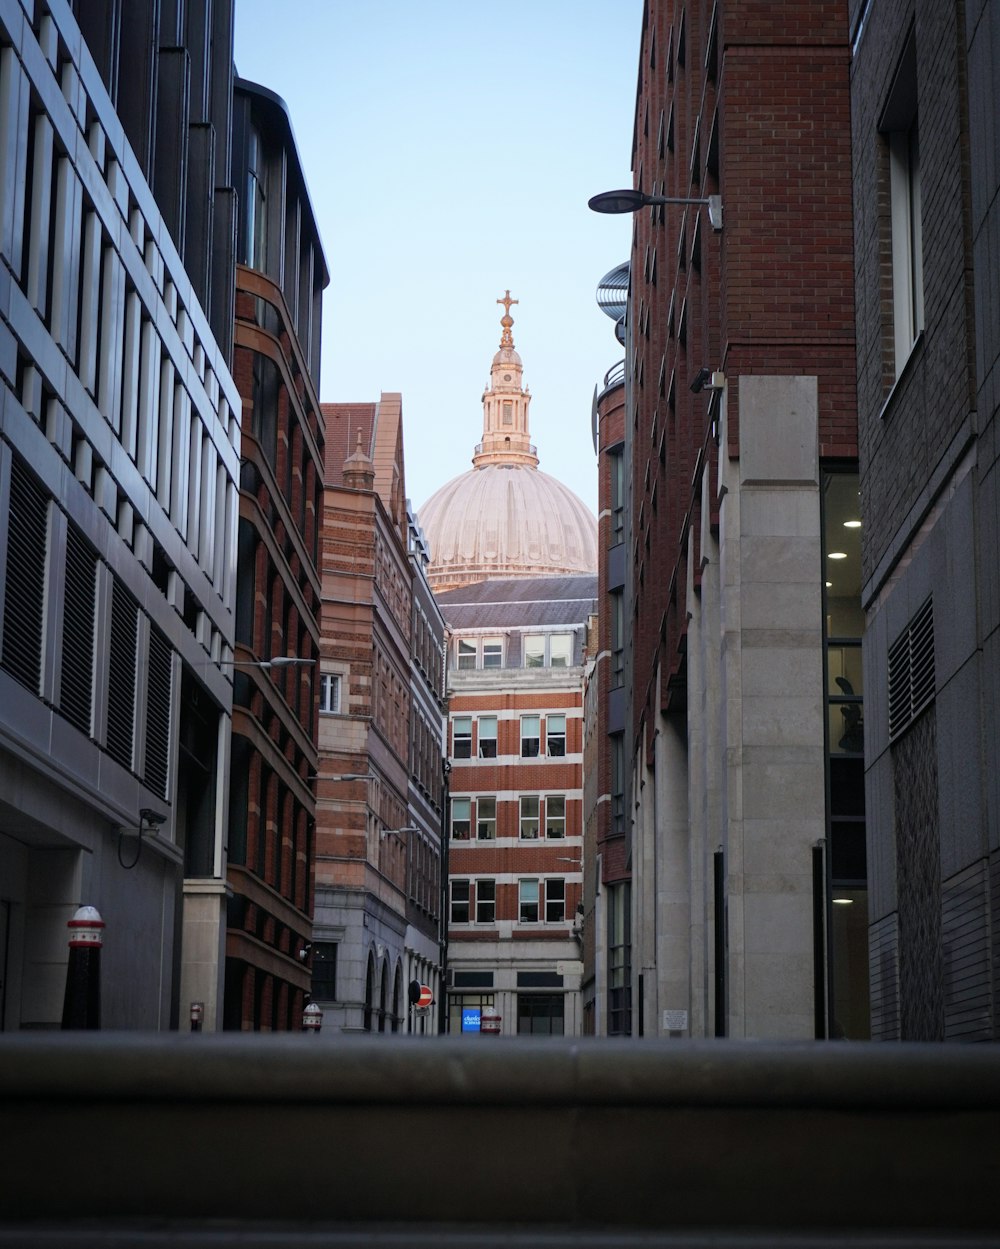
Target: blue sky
{"type": "Point", "coordinates": [450, 148]}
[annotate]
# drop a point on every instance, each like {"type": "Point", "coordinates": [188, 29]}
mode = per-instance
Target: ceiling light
{"type": "Point", "coordinates": [852, 524]}
{"type": "Point", "coordinates": [838, 555]}
{"type": "Point", "coordinates": [843, 901]}
{"type": "Point", "coordinates": [829, 585]}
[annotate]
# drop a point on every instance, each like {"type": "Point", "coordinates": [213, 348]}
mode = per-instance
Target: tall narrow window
{"type": "Point", "coordinates": [466, 657]}
{"type": "Point", "coordinates": [329, 692]}
{"type": "Point", "coordinates": [528, 901]}
{"type": "Point", "coordinates": [555, 901]}
{"type": "Point", "coordinates": [560, 650]}
{"type": "Point", "coordinates": [24, 598]}
{"type": "Point", "coordinates": [486, 901]}
{"type": "Point", "coordinates": [555, 735]}
{"type": "Point", "coordinates": [461, 728]}
{"type": "Point", "coordinates": [486, 818]}
{"type": "Point", "coordinates": [534, 651]}
{"type": "Point", "coordinates": [555, 815]}
{"type": "Point", "coordinates": [529, 817]}
{"type": "Point", "coordinates": [530, 729]}
{"type": "Point", "coordinates": [487, 726]}
{"type": "Point", "coordinates": [900, 127]}
{"type": "Point", "coordinates": [461, 823]}
{"type": "Point", "coordinates": [460, 901]}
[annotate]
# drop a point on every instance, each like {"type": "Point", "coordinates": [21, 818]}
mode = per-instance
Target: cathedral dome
{"type": "Point", "coordinates": [505, 518]}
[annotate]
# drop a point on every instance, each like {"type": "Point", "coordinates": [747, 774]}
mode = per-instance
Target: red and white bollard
{"type": "Point", "coordinates": [82, 1002]}
{"type": "Point", "coordinates": [489, 1022]}
{"type": "Point", "coordinates": [197, 1014]}
{"type": "Point", "coordinates": [312, 1018]}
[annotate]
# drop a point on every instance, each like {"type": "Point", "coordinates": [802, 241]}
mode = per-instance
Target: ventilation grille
{"type": "Point", "coordinates": [121, 676]}
{"type": "Point", "coordinates": [911, 671]}
{"type": "Point", "coordinates": [24, 596]}
{"type": "Point", "coordinates": [158, 714]}
{"type": "Point", "coordinates": [76, 698]}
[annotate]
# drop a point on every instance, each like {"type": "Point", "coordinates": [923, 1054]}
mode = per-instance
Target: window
{"type": "Point", "coordinates": [617, 641]}
{"type": "Point", "coordinates": [540, 1014]}
{"type": "Point", "coordinates": [466, 654]}
{"type": "Point", "coordinates": [486, 901]}
{"type": "Point", "coordinates": [529, 816]}
{"type": "Point", "coordinates": [555, 901]}
{"type": "Point", "coordinates": [530, 729]}
{"type": "Point", "coordinates": [324, 971]}
{"type": "Point", "coordinates": [617, 741]}
{"type": "Point", "coordinates": [528, 901]}
{"type": "Point", "coordinates": [560, 650]}
{"type": "Point", "coordinates": [460, 901]}
{"type": "Point", "coordinates": [542, 899]}
{"type": "Point", "coordinates": [487, 737]}
{"type": "Point", "coordinates": [486, 819]}
{"type": "Point", "coordinates": [461, 822]}
{"type": "Point", "coordinates": [555, 815]}
{"type": "Point", "coordinates": [329, 692]}
{"type": "Point", "coordinates": [899, 126]}
{"type": "Point", "coordinates": [492, 652]}
{"type": "Point", "coordinates": [461, 728]}
{"type": "Point", "coordinates": [553, 650]}
{"type": "Point", "coordinates": [508, 413]}
{"type": "Point", "coordinates": [534, 651]}
{"type": "Point", "coordinates": [555, 735]}
{"type": "Point", "coordinates": [617, 466]}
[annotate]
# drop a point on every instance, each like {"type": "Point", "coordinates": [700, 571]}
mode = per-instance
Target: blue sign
{"type": "Point", "coordinates": [470, 1019]}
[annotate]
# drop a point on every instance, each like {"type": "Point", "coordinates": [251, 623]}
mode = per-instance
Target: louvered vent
{"type": "Point", "coordinates": [158, 713]}
{"type": "Point", "coordinates": [121, 676]}
{"type": "Point", "coordinates": [24, 595]}
{"type": "Point", "coordinates": [911, 671]}
{"type": "Point", "coordinates": [76, 699]}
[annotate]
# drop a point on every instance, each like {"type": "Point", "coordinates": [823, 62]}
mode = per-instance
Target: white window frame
{"type": "Point", "coordinates": [483, 723]}
{"type": "Point", "coordinates": [550, 888]}
{"type": "Point", "coordinates": [537, 650]}
{"type": "Point", "coordinates": [464, 821]}
{"type": "Point", "coordinates": [492, 653]}
{"type": "Point", "coordinates": [529, 817]}
{"type": "Point", "coordinates": [465, 739]}
{"type": "Point", "coordinates": [557, 821]}
{"type": "Point", "coordinates": [556, 736]}
{"type": "Point", "coordinates": [484, 915]}
{"type": "Point", "coordinates": [536, 737]}
{"type": "Point", "coordinates": [457, 885]}
{"type": "Point", "coordinates": [527, 886]}
{"type": "Point", "coordinates": [466, 654]}
{"type": "Point", "coordinates": [330, 685]}
{"type": "Point", "coordinates": [483, 817]}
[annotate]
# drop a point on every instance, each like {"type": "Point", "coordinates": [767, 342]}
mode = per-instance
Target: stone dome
{"type": "Point", "coordinates": [506, 518]}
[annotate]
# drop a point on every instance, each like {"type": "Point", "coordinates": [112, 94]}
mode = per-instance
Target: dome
{"type": "Point", "coordinates": [506, 521]}
{"type": "Point", "coordinates": [506, 518]}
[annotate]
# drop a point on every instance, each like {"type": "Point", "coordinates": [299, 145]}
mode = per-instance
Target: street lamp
{"type": "Point", "coordinates": [278, 661]}
{"type": "Point", "coordinates": [631, 201]}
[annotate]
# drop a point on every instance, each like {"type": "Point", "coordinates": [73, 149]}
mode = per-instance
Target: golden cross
{"type": "Point", "coordinates": [507, 301]}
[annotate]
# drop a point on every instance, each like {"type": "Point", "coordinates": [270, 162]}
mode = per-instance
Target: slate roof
{"type": "Point", "coordinates": [520, 603]}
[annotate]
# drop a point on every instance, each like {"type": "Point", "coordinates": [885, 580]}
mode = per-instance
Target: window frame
{"type": "Point", "coordinates": [524, 900]}
{"type": "Point", "coordinates": [555, 836]}
{"type": "Point", "coordinates": [489, 820]}
{"type": "Point", "coordinates": [459, 883]}
{"type": "Point", "coordinates": [557, 736]}
{"type": "Point", "coordinates": [465, 740]}
{"type": "Point", "coordinates": [549, 887]}
{"type": "Point", "coordinates": [482, 737]}
{"type": "Point", "coordinates": [486, 908]}
{"type": "Point", "coordinates": [536, 737]}
{"type": "Point", "coordinates": [330, 681]}
{"type": "Point", "coordinates": [466, 820]}
{"type": "Point", "coordinates": [528, 820]}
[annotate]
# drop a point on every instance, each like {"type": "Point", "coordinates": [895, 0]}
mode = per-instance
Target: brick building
{"type": "Point", "coordinates": [607, 987]}
{"type": "Point", "coordinates": [279, 284]}
{"type": "Point", "coordinates": [380, 785]}
{"type": "Point", "coordinates": [512, 558]}
{"type": "Point", "coordinates": [515, 825]}
{"type": "Point", "coordinates": [927, 215]}
{"type": "Point", "coordinates": [744, 814]}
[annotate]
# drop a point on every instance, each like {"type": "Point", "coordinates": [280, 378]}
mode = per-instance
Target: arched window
{"type": "Point", "coordinates": [397, 990]}
{"type": "Point", "coordinates": [383, 990]}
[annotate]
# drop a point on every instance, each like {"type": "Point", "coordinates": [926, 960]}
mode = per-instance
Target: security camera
{"type": "Point", "coordinates": [701, 380]}
{"type": "Point", "coordinates": [304, 950]}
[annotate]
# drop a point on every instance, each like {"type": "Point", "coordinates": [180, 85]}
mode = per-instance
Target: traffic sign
{"type": "Point", "coordinates": [425, 997]}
